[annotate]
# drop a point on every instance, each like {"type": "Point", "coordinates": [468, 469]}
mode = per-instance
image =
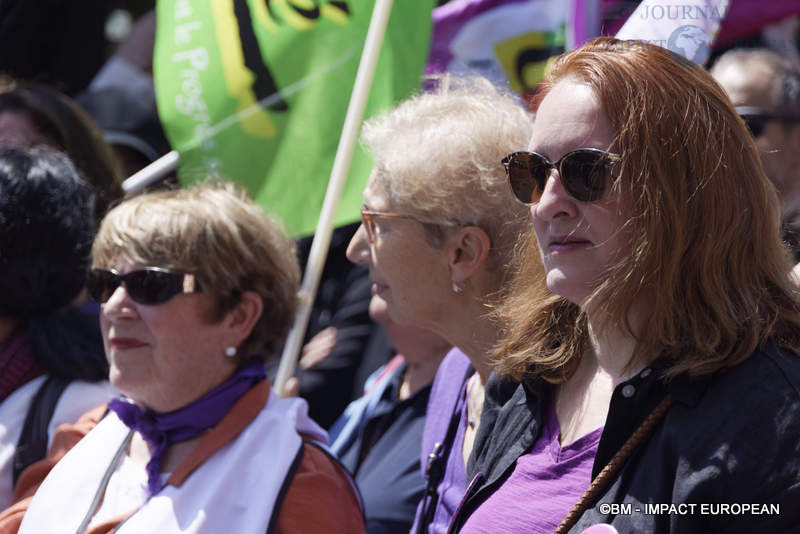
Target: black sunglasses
{"type": "Point", "coordinates": [756, 119]}
{"type": "Point", "coordinates": [583, 172]}
{"type": "Point", "coordinates": [148, 285]}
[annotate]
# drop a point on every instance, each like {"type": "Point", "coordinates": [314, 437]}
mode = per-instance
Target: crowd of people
{"type": "Point", "coordinates": [588, 311]}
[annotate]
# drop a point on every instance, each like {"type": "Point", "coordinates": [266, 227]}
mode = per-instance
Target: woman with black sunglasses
{"type": "Point", "coordinates": [197, 287]}
{"type": "Point", "coordinates": [658, 354]}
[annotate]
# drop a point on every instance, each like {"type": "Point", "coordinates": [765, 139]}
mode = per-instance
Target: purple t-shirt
{"type": "Point", "coordinates": [544, 486]}
{"type": "Point", "coordinates": [448, 397]}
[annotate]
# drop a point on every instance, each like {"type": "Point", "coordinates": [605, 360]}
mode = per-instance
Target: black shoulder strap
{"type": "Point", "coordinates": [32, 443]}
{"type": "Point", "coordinates": [437, 463]}
{"type": "Point", "coordinates": [285, 488]}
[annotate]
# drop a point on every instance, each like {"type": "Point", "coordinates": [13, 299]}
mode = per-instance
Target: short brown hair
{"type": "Point", "coordinates": [706, 248]}
{"type": "Point", "coordinates": [216, 232]}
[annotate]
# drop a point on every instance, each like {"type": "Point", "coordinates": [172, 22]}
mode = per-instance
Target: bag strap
{"type": "Point", "coordinates": [436, 463]}
{"type": "Point", "coordinates": [33, 441]}
{"type": "Point", "coordinates": [604, 477]}
{"type": "Point", "coordinates": [273, 521]}
{"type": "Point", "coordinates": [293, 470]}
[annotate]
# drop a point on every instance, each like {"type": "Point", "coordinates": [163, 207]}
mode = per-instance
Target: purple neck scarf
{"type": "Point", "coordinates": [162, 430]}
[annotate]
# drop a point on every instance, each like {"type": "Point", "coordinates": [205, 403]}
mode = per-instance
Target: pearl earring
{"type": "Point", "coordinates": [230, 352]}
{"type": "Point", "coordinates": [457, 288]}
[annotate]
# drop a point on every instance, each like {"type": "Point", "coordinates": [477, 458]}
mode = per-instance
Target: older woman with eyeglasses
{"type": "Point", "coordinates": [439, 235]}
{"type": "Point", "coordinates": [654, 382]}
{"type": "Point", "coordinates": [197, 287]}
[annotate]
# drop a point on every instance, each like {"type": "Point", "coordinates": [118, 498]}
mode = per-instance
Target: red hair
{"type": "Point", "coordinates": [706, 249]}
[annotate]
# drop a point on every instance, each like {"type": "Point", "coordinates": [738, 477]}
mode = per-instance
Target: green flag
{"type": "Point", "coordinates": [256, 91]}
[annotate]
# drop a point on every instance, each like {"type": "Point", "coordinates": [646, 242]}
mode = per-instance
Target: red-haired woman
{"type": "Point", "coordinates": [661, 366]}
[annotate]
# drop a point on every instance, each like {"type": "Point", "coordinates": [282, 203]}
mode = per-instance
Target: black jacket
{"type": "Point", "coordinates": [729, 439]}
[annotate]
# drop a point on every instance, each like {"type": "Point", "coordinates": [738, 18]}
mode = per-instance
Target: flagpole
{"type": "Point", "coordinates": [341, 166]}
{"type": "Point", "coordinates": [152, 173]}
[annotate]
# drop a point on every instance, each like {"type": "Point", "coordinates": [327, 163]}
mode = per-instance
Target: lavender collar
{"type": "Point", "coordinates": [162, 430]}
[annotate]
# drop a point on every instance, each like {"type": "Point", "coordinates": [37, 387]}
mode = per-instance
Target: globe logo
{"type": "Point", "coordinates": [690, 42]}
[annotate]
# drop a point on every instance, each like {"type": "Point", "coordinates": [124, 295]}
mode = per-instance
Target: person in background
{"type": "Point", "coordinates": [765, 88]}
{"type": "Point", "coordinates": [197, 288]}
{"type": "Point", "coordinates": [379, 436]}
{"type": "Point", "coordinates": [121, 99]}
{"type": "Point", "coordinates": [342, 346]}
{"type": "Point", "coordinates": [655, 359]}
{"type": "Point", "coordinates": [131, 129]}
{"type": "Point", "coordinates": [51, 354]}
{"type": "Point", "coordinates": [32, 114]}
{"type": "Point", "coordinates": [439, 233]}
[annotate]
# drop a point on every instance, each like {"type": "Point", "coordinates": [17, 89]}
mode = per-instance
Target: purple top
{"type": "Point", "coordinates": [544, 486]}
{"type": "Point", "coordinates": [448, 397]}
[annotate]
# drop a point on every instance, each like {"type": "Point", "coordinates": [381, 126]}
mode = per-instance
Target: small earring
{"type": "Point", "coordinates": [230, 352]}
{"type": "Point", "coordinates": [457, 288]}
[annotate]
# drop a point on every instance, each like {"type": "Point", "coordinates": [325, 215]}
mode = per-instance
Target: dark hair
{"type": "Point", "coordinates": [46, 232]}
{"type": "Point", "coordinates": [70, 129]}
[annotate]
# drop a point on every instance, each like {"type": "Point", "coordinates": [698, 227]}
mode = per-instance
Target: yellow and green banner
{"type": "Point", "coordinates": [256, 91]}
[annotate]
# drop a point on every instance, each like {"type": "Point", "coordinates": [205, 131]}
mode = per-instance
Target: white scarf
{"type": "Point", "coordinates": [233, 491]}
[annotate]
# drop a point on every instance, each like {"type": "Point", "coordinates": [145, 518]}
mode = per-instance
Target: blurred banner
{"type": "Point", "coordinates": [509, 41]}
{"type": "Point", "coordinates": [697, 28]}
{"type": "Point", "coordinates": [748, 17]}
{"type": "Point", "coordinates": [685, 27]}
{"type": "Point", "coordinates": [257, 90]}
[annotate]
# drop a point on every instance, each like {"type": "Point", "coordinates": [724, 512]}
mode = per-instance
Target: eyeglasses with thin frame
{"type": "Point", "coordinates": [146, 285]}
{"type": "Point", "coordinates": [368, 215]}
{"type": "Point", "coordinates": [583, 172]}
{"type": "Point", "coordinates": [756, 118]}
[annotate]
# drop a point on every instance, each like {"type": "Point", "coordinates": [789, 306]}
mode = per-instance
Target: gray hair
{"type": "Point", "coordinates": [438, 158]}
{"type": "Point", "coordinates": [785, 74]}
